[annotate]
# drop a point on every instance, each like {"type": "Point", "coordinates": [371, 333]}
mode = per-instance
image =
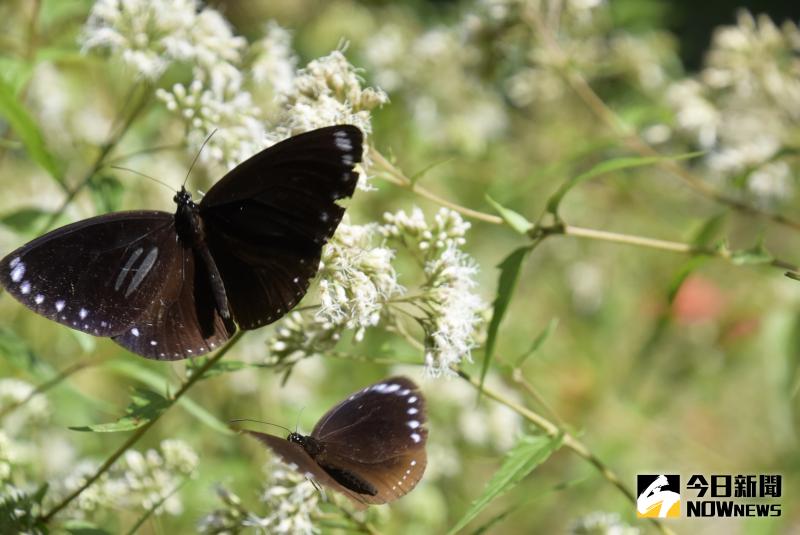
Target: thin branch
{"type": "Point", "coordinates": [139, 433]}
{"type": "Point", "coordinates": [395, 176]}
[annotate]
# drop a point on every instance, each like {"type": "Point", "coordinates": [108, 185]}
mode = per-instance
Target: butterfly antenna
{"type": "Point", "coordinates": [259, 422]}
{"type": "Point", "coordinates": [196, 156]}
{"type": "Point", "coordinates": [297, 422]}
{"type": "Point", "coordinates": [157, 181]}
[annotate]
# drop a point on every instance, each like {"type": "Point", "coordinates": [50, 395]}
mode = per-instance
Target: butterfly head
{"type": "Point", "coordinates": [183, 198]}
{"type": "Point", "coordinates": [310, 444]}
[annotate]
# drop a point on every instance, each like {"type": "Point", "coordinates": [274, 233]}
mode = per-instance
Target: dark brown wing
{"type": "Point", "coordinates": [389, 479]}
{"type": "Point", "coordinates": [379, 422]}
{"type": "Point", "coordinates": [182, 321]}
{"type": "Point", "coordinates": [294, 454]}
{"type": "Point", "coordinates": [267, 220]}
{"type": "Point", "coordinates": [99, 275]}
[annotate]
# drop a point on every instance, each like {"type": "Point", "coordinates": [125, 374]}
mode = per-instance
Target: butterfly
{"type": "Point", "coordinates": [171, 286]}
{"type": "Point", "coordinates": [370, 447]}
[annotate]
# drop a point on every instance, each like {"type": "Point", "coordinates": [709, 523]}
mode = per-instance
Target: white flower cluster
{"type": "Point", "coordinates": [357, 278]}
{"type": "Point", "coordinates": [452, 309]}
{"type": "Point", "coordinates": [149, 35]}
{"type": "Point", "coordinates": [300, 336]}
{"type": "Point", "coordinates": [359, 288]}
{"type": "Point", "coordinates": [602, 523]}
{"type": "Point", "coordinates": [30, 407]}
{"type": "Point", "coordinates": [222, 106]}
{"type": "Point", "coordinates": [744, 105]}
{"type": "Point", "coordinates": [291, 502]}
{"type": "Point", "coordinates": [274, 62]}
{"type": "Point", "coordinates": [137, 481]}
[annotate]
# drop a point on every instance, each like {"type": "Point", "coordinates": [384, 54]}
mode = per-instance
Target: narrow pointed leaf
{"type": "Point", "coordinates": [509, 274]}
{"type": "Point", "coordinates": [527, 454]}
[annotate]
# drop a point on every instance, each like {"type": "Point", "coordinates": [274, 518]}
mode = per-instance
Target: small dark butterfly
{"type": "Point", "coordinates": [370, 447]}
{"type": "Point", "coordinates": [171, 286]}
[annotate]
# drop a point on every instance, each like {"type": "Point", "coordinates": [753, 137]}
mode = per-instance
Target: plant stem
{"type": "Point", "coordinates": [395, 176]}
{"type": "Point", "coordinates": [139, 433]}
{"type": "Point", "coordinates": [553, 431]}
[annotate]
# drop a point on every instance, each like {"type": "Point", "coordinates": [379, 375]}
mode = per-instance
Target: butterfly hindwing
{"type": "Point", "coordinates": [267, 220]}
{"type": "Point", "coordinates": [183, 321]}
{"type": "Point", "coordinates": [98, 275]}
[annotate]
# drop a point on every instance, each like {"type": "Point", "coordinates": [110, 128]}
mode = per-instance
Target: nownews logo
{"type": "Point", "coordinates": [718, 495]}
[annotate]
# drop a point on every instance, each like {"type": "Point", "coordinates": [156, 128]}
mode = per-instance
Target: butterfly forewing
{"type": "Point", "coordinates": [267, 220]}
{"type": "Point", "coordinates": [98, 275]}
{"type": "Point", "coordinates": [381, 421]}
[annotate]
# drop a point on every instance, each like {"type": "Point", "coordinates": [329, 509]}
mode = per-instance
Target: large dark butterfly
{"type": "Point", "coordinates": [370, 447]}
{"type": "Point", "coordinates": [171, 286]}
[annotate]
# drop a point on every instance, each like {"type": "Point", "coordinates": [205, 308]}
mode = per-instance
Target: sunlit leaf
{"type": "Point", "coordinates": [527, 454]}
{"type": "Point", "coordinates": [145, 406]}
{"type": "Point", "coordinates": [513, 219]}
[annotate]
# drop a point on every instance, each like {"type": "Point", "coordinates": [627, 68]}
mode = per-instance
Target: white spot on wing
{"type": "Point", "coordinates": [342, 142]}
{"type": "Point", "coordinates": [60, 305]}
{"type": "Point", "coordinates": [83, 313]}
{"type": "Point", "coordinates": [416, 438]}
{"type": "Point", "coordinates": [392, 388]}
{"type": "Point", "coordinates": [39, 299]}
{"type": "Point", "coordinates": [135, 331]}
{"type": "Point", "coordinates": [18, 271]}
{"type": "Point", "coordinates": [25, 287]}
{"type": "Point", "coordinates": [413, 424]}
{"type": "Point", "coordinates": [404, 392]}
{"type": "Point", "coordinates": [153, 343]}
{"type": "Point", "coordinates": [412, 399]}
{"type": "Point", "coordinates": [413, 463]}
{"type": "Point", "coordinates": [14, 263]}
{"type": "Point", "coordinates": [412, 411]}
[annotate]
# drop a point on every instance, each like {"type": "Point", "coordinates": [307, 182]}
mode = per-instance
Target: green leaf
{"type": "Point", "coordinates": [20, 512]}
{"type": "Point", "coordinates": [145, 407]}
{"type": "Point", "coordinates": [755, 255]}
{"type": "Point", "coordinates": [156, 381]}
{"type": "Point", "coordinates": [27, 131]}
{"type": "Point", "coordinates": [513, 219]}
{"type": "Point", "coordinates": [496, 519]}
{"type": "Point", "coordinates": [527, 454]}
{"type": "Point", "coordinates": [539, 341]}
{"type": "Point", "coordinates": [83, 527]}
{"type": "Point", "coordinates": [24, 219]}
{"type": "Point", "coordinates": [106, 192]}
{"type": "Point", "coordinates": [608, 166]}
{"type": "Point", "coordinates": [510, 268]}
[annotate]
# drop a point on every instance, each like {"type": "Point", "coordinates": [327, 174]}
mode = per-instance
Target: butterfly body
{"type": "Point", "coordinates": [370, 447]}
{"type": "Point", "coordinates": [171, 286]}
